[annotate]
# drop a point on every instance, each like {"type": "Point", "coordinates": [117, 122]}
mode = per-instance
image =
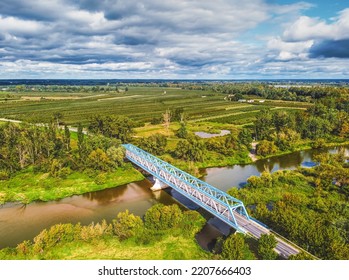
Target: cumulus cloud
{"type": "Point", "coordinates": [312, 38]}
{"type": "Point", "coordinates": [153, 38]}
{"type": "Point", "coordinates": [289, 50]}
{"type": "Point", "coordinates": [307, 28]}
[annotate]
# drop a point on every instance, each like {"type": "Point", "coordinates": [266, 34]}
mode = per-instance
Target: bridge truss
{"type": "Point", "coordinates": [215, 201]}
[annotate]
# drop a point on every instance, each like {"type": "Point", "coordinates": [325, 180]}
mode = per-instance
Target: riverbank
{"type": "Point", "coordinates": [305, 146]}
{"type": "Point", "coordinates": [28, 186]}
{"type": "Point", "coordinates": [110, 248]}
{"type": "Point", "coordinates": [166, 233]}
{"type": "Point", "coordinates": [216, 160]}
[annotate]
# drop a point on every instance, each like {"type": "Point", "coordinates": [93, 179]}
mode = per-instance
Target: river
{"type": "Point", "coordinates": [23, 222]}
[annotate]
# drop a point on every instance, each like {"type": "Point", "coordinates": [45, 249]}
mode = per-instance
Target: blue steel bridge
{"type": "Point", "coordinates": [221, 205]}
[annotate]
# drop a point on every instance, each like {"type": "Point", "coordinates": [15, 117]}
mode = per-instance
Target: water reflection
{"type": "Point", "coordinates": [236, 176]}
{"type": "Point", "coordinates": [23, 222]}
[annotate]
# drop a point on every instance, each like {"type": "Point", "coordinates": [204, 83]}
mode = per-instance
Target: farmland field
{"type": "Point", "coordinates": [141, 104]}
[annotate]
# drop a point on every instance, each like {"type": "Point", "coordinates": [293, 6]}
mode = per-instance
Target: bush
{"type": "Point", "coordinates": [101, 179]}
{"type": "Point", "coordinates": [127, 225]}
{"type": "Point", "coordinates": [4, 175]}
{"type": "Point", "coordinates": [95, 231]}
{"type": "Point", "coordinates": [233, 247]}
{"type": "Point", "coordinates": [56, 234]}
{"type": "Point", "coordinates": [266, 245]}
{"type": "Point", "coordinates": [161, 217]}
{"type": "Point", "coordinates": [265, 148]}
{"type": "Point", "coordinates": [192, 222]}
{"type": "Point", "coordinates": [24, 247]}
{"type": "Point", "coordinates": [318, 144]}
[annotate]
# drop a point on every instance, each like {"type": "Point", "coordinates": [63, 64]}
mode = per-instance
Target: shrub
{"type": "Point", "coordinates": [161, 217]}
{"type": "Point", "coordinates": [100, 179]}
{"type": "Point", "coordinates": [318, 144]}
{"type": "Point", "coordinates": [266, 245]}
{"type": "Point", "coordinates": [56, 234]}
{"type": "Point", "coordinates": [233, 247]}
{"type": "Point", "coordinates": [96, 230]}
{"type": "Point", "coordinates": [126, 225]}
{"type": "Point", "coordinates": [24, 247]}
{"type": "Point", "coordinates": [4, 175]}
{"type": "Point", "coordinates": [265, 148]}
{"type": "Point", "coordinates": [192, 222]}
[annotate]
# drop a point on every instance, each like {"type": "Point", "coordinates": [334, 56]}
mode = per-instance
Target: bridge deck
{"type": "Point", "coordinates": [225, 207]}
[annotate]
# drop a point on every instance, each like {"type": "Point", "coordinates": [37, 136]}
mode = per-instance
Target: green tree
{"type": "Point", "coordinates": [266, 245]}
{"type": "Point", "coordinates": [283, 120]}
{"type": "Point", "coordinates": [182, 132]}
{"type": "Point", "coordinates": [245, 138]}
{"type": "Point", "coordinates": [234, 247]}
{"type": "Point", "coordinates": [286, 138]}
{"type": "Point", "coordinates": [66, 139]}
{"type": "Point", "coordinates": [127, 225]}
{"type": "Point", "coordinates": [118, 127]}
{"type": "Point", "coordinates": [57, 117]}
{"type": "Point", "coordinates": [177, 114]}
{"type": "Point", "coordinates": [191, 149]}
{"type": "Point", "coordinates": [81, 141]}
{"type": "Point", "coordinates": [300, 256]}
{"type": "Point", "coordinates": [263, 124]}
{"type": "Point", "coordinates": [98, 160]}
{"type": "Point", "coordinates": [155, 144]}
{"type": "Point", "coordinates": [265, 148]}
{"type": "Point", "coordinates": [116, 155]}
{"type": "Point", "coordinates": [161, 217]}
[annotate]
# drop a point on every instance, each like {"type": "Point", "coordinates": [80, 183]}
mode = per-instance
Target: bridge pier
{"type": "Point", "coordinates": [159, 185]}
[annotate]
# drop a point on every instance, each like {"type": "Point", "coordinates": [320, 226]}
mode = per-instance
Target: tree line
{"type": "Point", "coordinates": [283, 130]}
{"type": "Point", "coordinates": [52, 149]}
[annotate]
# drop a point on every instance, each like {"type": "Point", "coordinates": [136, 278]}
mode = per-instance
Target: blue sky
{"type": "Point", "coordinates": [187, 39]}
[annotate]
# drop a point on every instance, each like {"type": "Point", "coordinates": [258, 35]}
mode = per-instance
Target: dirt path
{"type": "Point", "coordinates": [252, 153]}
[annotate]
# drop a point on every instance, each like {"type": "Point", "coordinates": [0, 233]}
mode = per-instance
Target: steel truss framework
{"type": "Point", "coordinates": [215, 201]}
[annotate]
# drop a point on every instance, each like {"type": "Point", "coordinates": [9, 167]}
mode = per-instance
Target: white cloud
{"type": "Point", "coordinates": [187, 38]}
{"type": "Point", "coordinates": [290, 50]}
{"type": "Point", "coordinates": [16, 26]}
{"type": "Point", "coordinates": [307, 28]}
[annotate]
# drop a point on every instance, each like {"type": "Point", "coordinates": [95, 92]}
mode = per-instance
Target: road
{"type": "Point", "coordinates": [256, 230]}
{"type": "Point", "coordinates": [71, 128]}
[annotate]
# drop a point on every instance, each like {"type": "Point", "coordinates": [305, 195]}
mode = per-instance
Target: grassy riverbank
{"type": "Point", "coordinates": [110, 248]}
{"type": "Point", "coordinates": [304, 145]}
{"type": "Point", "coordinates": [165, 232]}
{"type": "Point", "coordinates": [28, 186]}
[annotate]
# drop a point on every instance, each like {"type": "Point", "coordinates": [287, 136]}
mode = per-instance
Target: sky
{"type": "Point", "coordinates": [174, 39]}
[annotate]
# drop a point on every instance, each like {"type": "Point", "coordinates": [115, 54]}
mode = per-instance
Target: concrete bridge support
{"type": "Point", "coordinates": [159, 185]}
